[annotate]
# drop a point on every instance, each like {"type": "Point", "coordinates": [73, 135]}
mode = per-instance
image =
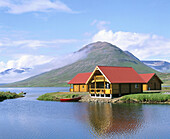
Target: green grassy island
{"type": "Point", "coordinates": [56, 96]}
{"type": "Point", "coordinates": [9, 95]}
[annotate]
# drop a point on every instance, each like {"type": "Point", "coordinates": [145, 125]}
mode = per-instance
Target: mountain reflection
{"type": "Point", "coordinates": [110, 119]}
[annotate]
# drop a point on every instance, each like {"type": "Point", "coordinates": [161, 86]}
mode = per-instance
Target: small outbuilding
{"type": "Point", "coordinates": [78, 83]}
{"type": "Point", "coordinates": [152, 81]}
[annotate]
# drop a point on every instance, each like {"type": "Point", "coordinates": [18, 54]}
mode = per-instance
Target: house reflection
{"type": "Point", "coordinates": [114, 119]}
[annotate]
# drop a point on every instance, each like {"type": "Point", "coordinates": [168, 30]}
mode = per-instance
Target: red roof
{"type": "Point", "coordinates": [121, 74]}
{"type": "Point", "coordinates": [80, 78]}
{"type": "Point", "coordinates": [146, 77]}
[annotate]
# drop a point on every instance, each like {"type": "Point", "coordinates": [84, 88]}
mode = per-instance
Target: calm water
{"type": "Point", "coordinates": [28, 118]}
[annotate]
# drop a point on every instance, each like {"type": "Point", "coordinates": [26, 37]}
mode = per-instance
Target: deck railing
{"type": "Point", "coordinates": [99, 91]}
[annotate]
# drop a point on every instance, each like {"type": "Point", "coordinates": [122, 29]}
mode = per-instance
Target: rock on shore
{"type": "Point", "coordinates": [87, 98]}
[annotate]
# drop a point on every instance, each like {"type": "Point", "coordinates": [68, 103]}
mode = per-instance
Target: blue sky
{"type": "Point", "coordinates": [36, 32]}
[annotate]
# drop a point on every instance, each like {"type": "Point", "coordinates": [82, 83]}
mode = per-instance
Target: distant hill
{"type": "Point", "coordinates": [99, 53]}
{"type": "Point", "coordinates": [161, 66]}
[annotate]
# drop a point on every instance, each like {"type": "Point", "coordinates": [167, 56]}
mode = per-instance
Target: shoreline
{"type": "Point", "coordinates": [145, 98]}
{"type": "Point", "coordinates": [118, 100]}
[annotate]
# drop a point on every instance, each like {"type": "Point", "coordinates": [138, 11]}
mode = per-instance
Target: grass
{"type": "Point", "coordinates": [9, 95]}
{"type": "Point", "coordinates": [56, 96]}
{"type": "Point", "coordinates": [165, 88]}
{"type": "Point", "coordinates": [147, 97]}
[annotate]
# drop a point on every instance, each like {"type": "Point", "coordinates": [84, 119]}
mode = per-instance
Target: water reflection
{"type": "Point", "coordinates": [110, 120]}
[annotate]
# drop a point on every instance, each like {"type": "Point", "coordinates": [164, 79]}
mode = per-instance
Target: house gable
{"type": "Point", "coordinates": [97, 69]}
{"type": "Point", "coordinates": [148, 76]}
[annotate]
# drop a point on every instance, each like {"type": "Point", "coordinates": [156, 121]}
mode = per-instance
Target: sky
{"type": "Point", "coordinates": [43, 34]}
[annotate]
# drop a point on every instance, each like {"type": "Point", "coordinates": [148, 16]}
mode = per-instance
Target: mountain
{"type": "Point", "coordinates": [14, 70]}
{"type": "Point", "coordinates": [161, 66]}
{"type": "Point", "coordinates": [99, 53]}
{"type": "Point", "coordinates": [131, 55]}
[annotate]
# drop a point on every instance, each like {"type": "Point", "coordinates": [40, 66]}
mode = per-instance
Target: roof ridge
{"type": "Point", "coordinates": [85, 72]}
{"type": "Point", "coordinates": [146, 73]}
{"type": "Point", "coordinates": [114, 66]}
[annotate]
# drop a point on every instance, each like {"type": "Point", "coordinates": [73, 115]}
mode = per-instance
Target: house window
{"type": "Point", "coordinates": [83, 86]}
{"type": "Point", "coordinates": [136, 85]}
{"type": "Point", "coordinates": [107, 86]}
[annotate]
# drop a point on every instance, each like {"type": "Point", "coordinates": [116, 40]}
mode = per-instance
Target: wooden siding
{"type": "Point", "coordinates": [80, 88]}
{"type": "Point", "coordinates": [154, 84]}
{"type": "Point", "coordinates": [124, 89]}
{"type": "Point", "coordinates": [115, 88]}
{"type": "Point", "coordinates": [83, 88]}
{"type": "Point", "coordinates": [76, 88]}
{"type": "Point", "coordinates": [135, 89]}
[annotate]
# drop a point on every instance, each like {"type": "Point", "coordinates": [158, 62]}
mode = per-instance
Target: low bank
{"type": "Point", "coordinates": [56, 96]}
{"type": "Point", "coordinates": [151, 98]}
{"type": "Point", "coordinates": [9, 95]}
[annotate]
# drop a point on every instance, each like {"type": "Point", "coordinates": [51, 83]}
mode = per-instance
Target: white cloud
{"type": "Point", "coordinates": [25, 61]}
{"type": "Point", "coordinates": [35, 43]}
{"type": "Point", "coordinates": [100, 24]}
{"type": "Point", "coordinates": [38, 64]}
{"type": "Point", "coordinates": [144, 46]}
{"type": "Point", "coordinates": [23, 6]}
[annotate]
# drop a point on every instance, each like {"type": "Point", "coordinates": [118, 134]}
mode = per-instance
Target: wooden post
{"type": "Point", "coordinates": [111, 88]}
{"type": "Point", "coordinates": [119, 89]}
{"type": "Point", "coordinates": [95, 83]}
{"type": "Point", "coordinates": [87, 89]}
{"type": "Point", "coordinates": [73, 87]}
{"type": "Point", "coordinates": [141, 88]}
{"type": "Point", "coordinates": [79, 87]}
{"type": "Point", "coordinates": [70, 87]}
{"type": "Point", "coordinates": [104, 85]}
{"type": "Point", "coordinates": [130, 88]}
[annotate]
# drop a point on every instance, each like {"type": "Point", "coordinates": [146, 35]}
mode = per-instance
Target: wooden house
{"type": "Point", "coordinates": [152, 81]}
{"type": "Point", "coordinates": [107, 81]}
{"type": "Point", "coordinates": [78, 83]}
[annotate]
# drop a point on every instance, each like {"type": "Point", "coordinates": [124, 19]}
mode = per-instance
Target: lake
{"type": "Point", "coordinates": [28, 118]}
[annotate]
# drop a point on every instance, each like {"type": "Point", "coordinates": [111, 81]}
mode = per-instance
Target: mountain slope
{"type": "Point", "coordinates": [161, 66]}
{"type": "Point", "coordinates": [131, 55]}
{"type": "Point", "coordinates": [99, 53]}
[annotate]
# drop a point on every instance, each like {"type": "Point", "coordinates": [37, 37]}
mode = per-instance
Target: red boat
{"type": "Point", "coordinates": [70, 99]}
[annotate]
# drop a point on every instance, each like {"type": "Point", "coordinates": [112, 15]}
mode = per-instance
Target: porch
{"type": "Point", "coordinates": [100, 87]}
